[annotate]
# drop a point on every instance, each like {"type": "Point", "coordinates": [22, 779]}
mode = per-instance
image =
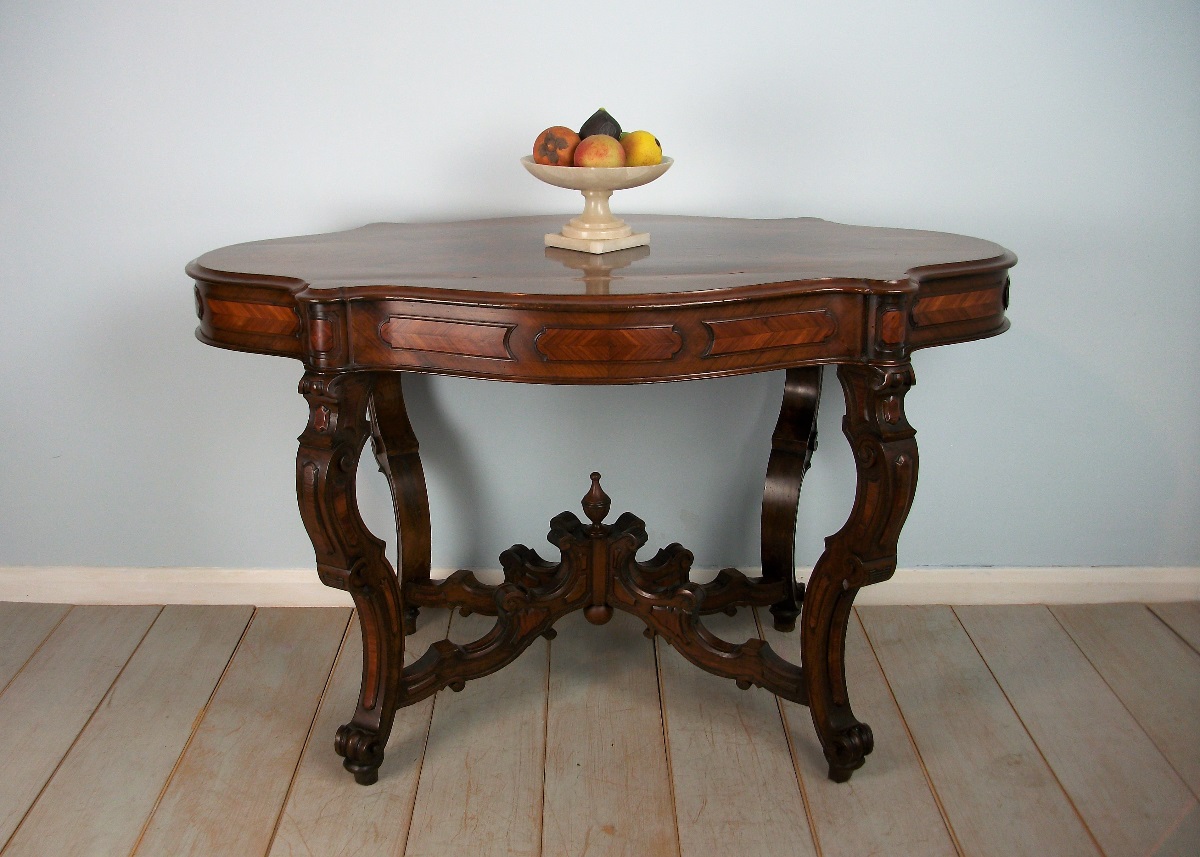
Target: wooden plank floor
{"type": "Point", "coordinates": [208, 730]}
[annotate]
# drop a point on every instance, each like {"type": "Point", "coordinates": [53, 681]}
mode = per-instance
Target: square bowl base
{"type": "Point", "coordinates": [598, 245]}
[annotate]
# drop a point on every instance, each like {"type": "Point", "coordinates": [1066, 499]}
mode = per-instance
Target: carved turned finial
{"type": "Point", "coordinates": [596, 503]}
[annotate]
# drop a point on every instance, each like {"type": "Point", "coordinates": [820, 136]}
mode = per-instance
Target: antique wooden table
{"type": "Point", "coordinates": [709, 297]}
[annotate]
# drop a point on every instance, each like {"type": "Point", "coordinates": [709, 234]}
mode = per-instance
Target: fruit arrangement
{"type": "Point", "coordinates": [600, 142]}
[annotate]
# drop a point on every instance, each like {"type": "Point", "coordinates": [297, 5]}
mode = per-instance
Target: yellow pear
{"type": "Point", "coordinates": [642, 149]}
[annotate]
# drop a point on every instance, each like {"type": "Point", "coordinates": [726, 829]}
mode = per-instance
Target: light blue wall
{"type": "Point", "coordinates": [136, 136]}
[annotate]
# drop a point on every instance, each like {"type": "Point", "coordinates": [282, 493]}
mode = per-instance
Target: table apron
{"type": "Point", "coordinates": [550, 345]}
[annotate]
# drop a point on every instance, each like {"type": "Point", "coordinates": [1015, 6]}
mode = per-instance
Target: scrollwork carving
{"type": "Point", "coordinates": [362, 751]}
{"type": "Point", "coordinates": [847, 750]}
{"type": "Point", "coordinates": [536, 593]}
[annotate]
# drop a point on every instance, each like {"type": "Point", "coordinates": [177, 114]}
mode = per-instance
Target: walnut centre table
{"type": "Point", "coordinates": [709, 297]}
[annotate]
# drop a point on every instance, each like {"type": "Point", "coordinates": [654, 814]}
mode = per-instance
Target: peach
{"type": "Point", "coordinates": [555, 146]}
{"type": "Point", "coordinates": [599, 150]}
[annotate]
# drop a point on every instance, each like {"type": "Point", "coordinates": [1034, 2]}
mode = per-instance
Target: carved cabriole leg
{"type": "Point", "coordinates": [792, 446]}
{"type": "Point", "coordinates": [350, 557]}
{"type": "Point", "coordinates": [400, 461]}
{"type": "Point", "coordinates": [861, 553]}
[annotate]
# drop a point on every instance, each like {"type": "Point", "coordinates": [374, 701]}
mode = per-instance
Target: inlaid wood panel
{"type": "Point", "coordinates": [963, 306]}
{"type": "Point", "coordinates": [249, 314]}
{"type": "Point", "coordinates": [250, 317]}
{"type": "Point", "coordinates": [891, 327]}
{"type": "Point", "coordinates": [770, 331]}
{"type": "Point", "coordinates": [585, 346]}
{"type": "Point", "coordinates": [966, 307]}
{"type": "Point", "coordinates": [603, 345]}
{"type": "Point", "coordinates": [469, 338]}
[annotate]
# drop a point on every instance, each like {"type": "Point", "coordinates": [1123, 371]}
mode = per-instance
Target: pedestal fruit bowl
{"type": "Point", "coordinates": [596, 230]}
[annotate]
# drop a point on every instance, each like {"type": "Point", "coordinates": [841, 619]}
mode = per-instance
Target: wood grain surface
{"type": "Point", "coordinates": [604, 710]}
{"type": "Point", "coordinates": [47, 705]}
{"type": "Point", "coordinates": [1153, 672]}
{"type": "Point", "coordinates": [230, 785]}
{"type": "Point", "coordinates": [486, 790]}
{"type": "Point", "coordinates": [750, 801]}
{"type": "Point", "coordinates": [109, 782]}
{"type": "Point", "coordinates": [23, 627]}
{"type": "Point", "coordinates": [1182, 617]}
{"type": "Point", "coordinates": [672, 757]}
{"type": "Point", "coordinates": [713, 296]}
{"type": "Point", "coordinates": [999, 795]}
{"type": "Point", "coordinates": [1125, 791]}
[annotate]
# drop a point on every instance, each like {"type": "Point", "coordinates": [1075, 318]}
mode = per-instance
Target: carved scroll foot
{"type": "Point", "coordinates": [792, 446]}
{"type": "Point", "coordinates": [847, 750]}
{"type": "Point", "coordinates": [362, 752]}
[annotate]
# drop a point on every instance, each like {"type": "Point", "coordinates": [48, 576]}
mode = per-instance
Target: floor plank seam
{"type": "Point", "coordinates": [91, 716]}
{"type": "Point", "coordinates": [309, 734]}
{"type": "Point", "coordinates": [1172, 628]}
{"type": "Point", "coordinates": [1032, 738]}
{"type": "Point", "coordinates": [545, 748]}
{"type": "Point", "coordinates": [137, 842]}
{"type": "Point", "coordinates": [662, 711]}
{"type": "Point", "coordinates": [937, 798]}
{"type": "Point", "coordinates": [1166, 834]}
{"type": "Point", "coordinates": [37, 648]}
{"type": "Point", "coordinates": [796, 765]}
{"type": "Point", "coordinates": [416, 790]}
{"type": "Point", "coordinates": [1132, 714]}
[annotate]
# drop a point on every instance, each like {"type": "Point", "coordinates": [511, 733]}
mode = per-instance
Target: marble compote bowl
{"type": "Point", "coordinates": [596, 230]}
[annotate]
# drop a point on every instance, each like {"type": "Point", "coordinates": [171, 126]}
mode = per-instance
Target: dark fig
{"type": "Point", "coordinates": [600, 123]}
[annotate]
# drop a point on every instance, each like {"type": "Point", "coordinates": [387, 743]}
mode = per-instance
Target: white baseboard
{"type": "Point", "coordinates": [301, 588]}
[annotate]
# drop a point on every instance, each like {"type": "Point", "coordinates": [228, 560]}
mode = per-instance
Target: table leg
{"type": "Point", "coordinates": [399, 460]}
{"type": "Point", "coordinates": [792, 446]}
{"type": "Point", "coordinates": [350, 557]}
{"type": "Point", "coordinates": [861, 553]}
